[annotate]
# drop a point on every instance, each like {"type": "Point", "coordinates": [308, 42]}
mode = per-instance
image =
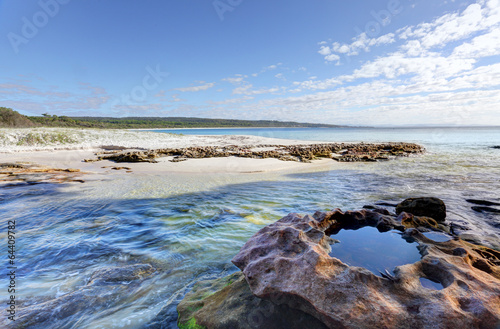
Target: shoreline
{"type": "Point", "coordinates": [97, 153]}
{"type": "Point", "coordinates": [69, 147]}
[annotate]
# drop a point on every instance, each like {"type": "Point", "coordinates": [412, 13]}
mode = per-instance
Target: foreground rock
{"type": "Point", "coordinates": [344, 152]}
{"type": "Point", "coordinates": [291, 258]}
{"type": "Point", "coordinates": [289, 263]}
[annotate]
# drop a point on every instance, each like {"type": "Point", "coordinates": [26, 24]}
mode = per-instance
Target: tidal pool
{"type": "Point", "coordinates": [367, 247]}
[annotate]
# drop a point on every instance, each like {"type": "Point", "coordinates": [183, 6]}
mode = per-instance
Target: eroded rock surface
{"type": "Point", "coordinates": [289, 263]}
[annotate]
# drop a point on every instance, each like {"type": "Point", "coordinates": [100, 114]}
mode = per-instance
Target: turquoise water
{"type": "Point", "coordinates": [433, 137]}
{"type": "Point", "coordinates": [189, 227]}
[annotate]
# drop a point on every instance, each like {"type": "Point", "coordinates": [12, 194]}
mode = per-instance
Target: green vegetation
{"type": "Point", "coordinates": [11, 118]}
{"type": "Point", "coordinates": [157, 122]}
{"type": "Point", "coordinates": [45, 138]}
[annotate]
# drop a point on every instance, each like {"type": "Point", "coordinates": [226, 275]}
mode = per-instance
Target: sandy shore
{"type": "Point", "coordinates": [66, 148]}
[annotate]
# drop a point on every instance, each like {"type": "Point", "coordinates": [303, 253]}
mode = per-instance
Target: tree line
{"type": "Point", "coordinates": [11, 118]}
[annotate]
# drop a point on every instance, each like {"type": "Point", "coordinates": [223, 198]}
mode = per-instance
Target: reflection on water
{"type": "Point", "coordinates": [429, 284]}
{"type": "Point", "coordinates": [373, 250]}
{"type": "Point", "coordinates": [189, 227]}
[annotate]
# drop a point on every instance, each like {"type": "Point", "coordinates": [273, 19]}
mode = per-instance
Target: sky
{"type": "Point", "coordinates": [376, 63]}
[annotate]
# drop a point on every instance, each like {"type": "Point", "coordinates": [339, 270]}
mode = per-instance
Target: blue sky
{"type": "Point", "coordinates": [391, 62]}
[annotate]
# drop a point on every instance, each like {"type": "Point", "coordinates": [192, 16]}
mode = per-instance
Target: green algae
{"type": "Point", "coordinates": [190, 324]}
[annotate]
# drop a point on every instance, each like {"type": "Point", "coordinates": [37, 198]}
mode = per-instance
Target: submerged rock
{"type": "Point", "coordinates": [483, 202]}
{"type": "Point", "coordinates": [486, 209]}
{"type": "Point", "coordinates": [289, 263]}
{"type": "Point", "coordinates": [429, 207]}
{"type": "Point", "coordinates": [123, 274]}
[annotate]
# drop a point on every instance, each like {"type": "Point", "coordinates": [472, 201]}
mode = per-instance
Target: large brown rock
{"type": "Point", "coordinates": [426, 206]}
{"type": "Point", "coordinates": [288, 262]}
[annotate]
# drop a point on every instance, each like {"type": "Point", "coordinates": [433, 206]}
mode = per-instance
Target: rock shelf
{"type": "Point", "coordinates": [343, 152]}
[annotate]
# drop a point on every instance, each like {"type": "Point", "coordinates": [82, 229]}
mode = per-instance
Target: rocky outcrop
{"type": "Point", "coordinates": [429, 207]}
{"type": "Point", "coordinates": [343, 152]}
{"type": "Point", "coordinates": [288, 262]}
{"type": "Point", "coordinates": [236, 307]}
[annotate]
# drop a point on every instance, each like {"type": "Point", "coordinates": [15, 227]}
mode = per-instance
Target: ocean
{"type": "Point", "coordinates": [188, 227]}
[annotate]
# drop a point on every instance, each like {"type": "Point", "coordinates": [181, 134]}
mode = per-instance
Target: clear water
{"type": "Point", "coordinates": [189, 227]}
{"type": "Point", "coordinates": [375, 251]}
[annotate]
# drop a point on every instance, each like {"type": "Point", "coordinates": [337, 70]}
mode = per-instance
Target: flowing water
{"type": "Point", "coordinates": [188, 227]}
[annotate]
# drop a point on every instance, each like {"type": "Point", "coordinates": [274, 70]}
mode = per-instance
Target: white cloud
{"type": "Point", "coordinates": [280, 76]}
{"type": "Point", "coordinates": [450, 27]}
{"type": "Point", "coordinates": [325, 51]}
{"type": "Point", "coordinates": [204, 86]}
{"type": "Point", "coordinates": [332, 58]}
{"type": "Point", "coordinates": [481, 46]}
{"type": "Point", "coordinates": [237, 79]}
{"type": "Point", "coordinates": [398, 64]}
{"type": "Point", "coordinates": [247, 90]}
{"type": "Point", "coordinates": [360, 43]}
{"type": "Point", "coordinates": [267, 68]}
